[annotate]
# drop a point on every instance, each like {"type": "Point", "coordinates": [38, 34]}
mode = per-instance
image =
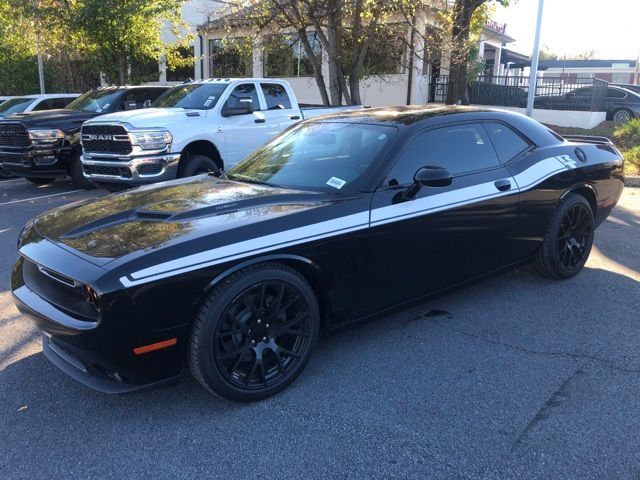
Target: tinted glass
{"type": "Point", "coordinates": [43, 105]}
{"type": "Point", "coordinates": [192, 95]}
{"type": "Point", "coordinates": [275, 96]}
{"type": "Point", "coordinates": [97, 101]}
{"type": "Point", "coordinates": [507, 142]}
{"type": "Point", "coordinates": [615, 93]}
{"type": "Point", "coordinates": [319, 156]}
{"type": "Point", "coordinates": [15, 105]}
{"type": "Point", "coordinates": [460, 148]}
{"type": "Point", "coordinates": [61, 102]}
{"type": "Point", "coordinates": [242, 92]}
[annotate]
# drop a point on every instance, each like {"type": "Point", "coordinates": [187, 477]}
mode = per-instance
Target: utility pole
{"type": "Point", "coordinates": [635, 77]}
{"type": "Point", "coordinates": [534, 61]}
{"type": "Point", "coordinates": [41, 73]}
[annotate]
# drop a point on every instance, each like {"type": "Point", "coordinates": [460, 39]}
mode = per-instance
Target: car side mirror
{"type": "Point", "coordinates": [430, 176]}
{"type": "Point", "coordinates": [243, 107]}
{"type": "Point", "coordinates": [146, 104]}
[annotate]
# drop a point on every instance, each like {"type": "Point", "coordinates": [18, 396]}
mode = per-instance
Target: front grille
{"type": "Point", "coordinates": [105, 139]}
{"type": "Point", "coordinates": [14, 160]}
{"type": "Point", "coordinates": [123, 172]}
{"type": "Point", "coordinates": [14, 135]}
{"type": "Point", "coordinates": [59, 290]}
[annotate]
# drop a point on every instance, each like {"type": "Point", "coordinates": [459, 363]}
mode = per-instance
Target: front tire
{"type": "Point", "coordinates": [40, 181]}
{"type": "Point", "coordinates": [254, 333]}
{"type": "Point", "coordinates": [195, 165]}
{"type": "Point", "coordinates": [568, 240]}
{"type": "Point", "coordinates": [77, 176]}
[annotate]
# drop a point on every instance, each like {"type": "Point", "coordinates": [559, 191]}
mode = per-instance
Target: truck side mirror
{"type": "Point", "coordinates": [243, 106]}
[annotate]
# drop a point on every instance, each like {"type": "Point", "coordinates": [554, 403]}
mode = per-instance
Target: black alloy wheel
{"type": "Point", "coordinates": [568, 240]}
{"type": "Point", "coordinates": [254, 333]}
{"type": "Point", "coordinates": [575, 236]}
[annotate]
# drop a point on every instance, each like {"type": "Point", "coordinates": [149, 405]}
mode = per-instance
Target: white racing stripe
{"type": "Point", "coordinates": [40, 198]}
{"type": "Point", "coordinates": [434, 203]}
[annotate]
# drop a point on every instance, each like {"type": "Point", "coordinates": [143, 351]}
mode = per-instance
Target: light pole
{"type": "Point", "coordinates": [534, 61]}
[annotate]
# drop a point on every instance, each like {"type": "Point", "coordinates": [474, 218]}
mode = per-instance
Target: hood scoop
{"type": "Point", "coordinates": [118, 218]}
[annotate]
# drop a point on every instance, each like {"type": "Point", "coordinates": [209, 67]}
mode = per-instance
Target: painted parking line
{"type": "Point", "coordinates": [14, 180]}
{"type": "Point", "coordinates": [41, 197]}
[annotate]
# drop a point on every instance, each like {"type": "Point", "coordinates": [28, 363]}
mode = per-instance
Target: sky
{"type": "Point", "coordinates": [570, 27]}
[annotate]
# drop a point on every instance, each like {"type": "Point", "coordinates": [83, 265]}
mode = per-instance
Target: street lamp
{"type": "Point", "coordinates": [534, 61]}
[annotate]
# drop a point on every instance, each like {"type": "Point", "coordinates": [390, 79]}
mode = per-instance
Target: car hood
{"type": "Point", "coordinates": [164, 214]}
{"type": "Point", "coordinates": [63, 118]}
{"type": "Point", "coordinates": [150, 117]}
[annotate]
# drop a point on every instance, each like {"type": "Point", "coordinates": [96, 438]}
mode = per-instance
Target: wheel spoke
{"type": "Point", "coordinates": [233, 352]}
{"type": "Point", "coordinates": [289, 303]}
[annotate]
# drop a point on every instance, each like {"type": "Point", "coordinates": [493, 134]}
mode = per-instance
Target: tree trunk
{"type": "Point", "coordinates": [457, 87]}
{"type": "Point", "coordinates": [317, 67]}
{"type": "Point", "coordinates": [122, 69]}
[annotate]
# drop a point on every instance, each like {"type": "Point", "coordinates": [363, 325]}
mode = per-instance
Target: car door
{"type": "Point", "coordinates": [278, 109]}
{"type": "Point", "coordinates": [444, 235]}
{"type": "Point", "coordinates": [243, 133]}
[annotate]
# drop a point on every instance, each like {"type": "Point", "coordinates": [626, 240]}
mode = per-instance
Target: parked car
{"type": "Point", "coordinates": [4, 98]}
{"type": "Point", "coordinates": [43, 146]}
{"type": "Point", "coordinates": [197, 127]}
{"type": "Point", "coordinates": [629, 86]}
{"type": "Point", "coordinates": [34, 103]}
{"type": "Point", "coordinates": [621, 104]}
{"type": "Point", "coordinates": [338, 219]}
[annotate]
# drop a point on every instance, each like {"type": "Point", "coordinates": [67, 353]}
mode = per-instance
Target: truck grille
{"type": "Point", "coordinates": [105, 139]}
{"type": "Point", "coordinates": [13, 135]}
{"type": "Point", "coordinates": [123, 172]}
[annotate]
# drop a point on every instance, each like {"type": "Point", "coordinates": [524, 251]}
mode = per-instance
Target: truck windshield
{"type": "Point", "coordinates": [201, 96]}
{"type": "Point", "coordinates": [96, 101]}
{"type": "Point", "coordinates": [15, 105]}
{"type": "Point", "coordinates": [319, 156]}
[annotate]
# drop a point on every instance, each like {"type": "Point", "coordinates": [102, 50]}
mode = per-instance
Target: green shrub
{"type": "Point", "coordinates": [627, 135]}
{"type": "Point", "coordinates": [632, 161]}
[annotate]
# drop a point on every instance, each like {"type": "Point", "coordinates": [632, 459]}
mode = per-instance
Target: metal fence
{"type": "Point", "coordinates": [551, 92]}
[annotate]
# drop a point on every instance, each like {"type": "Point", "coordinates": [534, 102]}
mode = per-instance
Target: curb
{"type": "Point", "coordinates": [631, 181]}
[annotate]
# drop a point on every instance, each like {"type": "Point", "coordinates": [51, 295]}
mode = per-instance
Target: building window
{"type": "Point", "coordinates": [230, 57]}
{"type": "Point", "coordinates": [387, 52]}
{"type": "Point", "coordinates": [182, 72]}
{"type": "Point", "coordinates": [285, 55]}
{"type": "Point", "coordinates": [622, 78]}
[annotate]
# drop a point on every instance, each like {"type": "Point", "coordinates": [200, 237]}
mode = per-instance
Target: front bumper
{"type": "Point", "coordinates": [131, 171]}
{"type": "Point", "coordinates": [98, 352]}
{"type": "Point", "coordinates": [35, 162]}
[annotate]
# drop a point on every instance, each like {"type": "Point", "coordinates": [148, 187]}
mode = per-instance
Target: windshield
{"type": "Point", "coordinates": [321, 156]}
{"type": "Point", "coordinates": [15, 105]}
{"type": "Point", "coordinates": [200, 96]}
{"type": "Point", "coordinates": [95, 101]}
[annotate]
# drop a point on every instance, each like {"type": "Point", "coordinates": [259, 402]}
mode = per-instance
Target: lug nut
{"type": "Point", "coordinates": [264, 339]}
{"type": "Point", "coordinates": [253, 342]}
{"type": "Point", "coordinates": [267, 325]}
{"type": "Point", "coordinates": [259, 322]}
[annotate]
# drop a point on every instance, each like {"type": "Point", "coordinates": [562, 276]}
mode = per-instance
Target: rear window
{"type": "Point", "coordinates": [507, 142]}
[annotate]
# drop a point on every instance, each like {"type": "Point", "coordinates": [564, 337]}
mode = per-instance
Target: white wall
{"type": "Point", "coordinates": [563, 118]}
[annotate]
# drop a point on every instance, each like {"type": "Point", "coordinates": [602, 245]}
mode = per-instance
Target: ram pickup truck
{"type": "Point", "coordinates": [196, 127]}
{"type": "Point", "coordinates": [44, 145]}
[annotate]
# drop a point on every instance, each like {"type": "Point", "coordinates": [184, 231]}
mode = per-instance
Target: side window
{"type": "Point", "coordinates": [241, 92]}
{"type": "Point", "coordinates": [459, 148]}
{"type": "Point", "coordinates": [43, 105]}
{"type": "Point", "coordinates": [275, 96]}
{"type": "Point", "coordinates": [60, 102]}
{"type": "Point", "coordinates": [142, 95]}
{"type": "Point", "coordinates": [615, 93]}
{"type": "Point", "coordinates": [507, 142]}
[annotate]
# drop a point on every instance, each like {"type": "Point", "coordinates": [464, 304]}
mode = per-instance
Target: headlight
{"type": "Point", "coordinates": [151, 140]}
{"type": "Point", "coordinates": [45, 136]}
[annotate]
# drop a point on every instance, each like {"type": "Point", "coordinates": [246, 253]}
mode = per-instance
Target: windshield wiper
{"type": "Point", "coordinates": [256, 181]}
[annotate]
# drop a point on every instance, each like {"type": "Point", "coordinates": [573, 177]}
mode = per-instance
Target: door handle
{"type": "Point", "coordinates": [260, 120]}
{"type": "Point", "coordinates": [503, 185]}
{"type": "Point", "coordinates": [295, 117]}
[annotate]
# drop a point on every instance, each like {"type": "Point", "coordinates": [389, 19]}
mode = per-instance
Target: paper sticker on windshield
{"type": "Point", "coordinates": [209, 100]}
{"type": "Point", "coordinates": [336, 182]}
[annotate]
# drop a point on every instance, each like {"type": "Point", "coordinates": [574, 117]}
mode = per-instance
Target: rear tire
{"type": "Point", "coordinates": [254, 333]}
{"type": "Point", "coordinates": [568, 240]}
{"type": "Point", "coordinates": [77, 176]}
{"type": "Point", "coordinates": [622, 115]}
{"type": "Point", "coordinates": [195, 165]}
{"type": "Point", "coordinates": [40, 181]}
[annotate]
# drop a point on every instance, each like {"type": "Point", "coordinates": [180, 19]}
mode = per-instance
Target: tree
{"type": "Point", "coordinates": [125, 36]}
{"type": "Point", "coordinates": [461, 22]}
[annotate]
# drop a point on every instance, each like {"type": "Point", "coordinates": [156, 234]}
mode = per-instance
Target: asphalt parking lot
{"type": "Point", "coordinates": [517, 377]}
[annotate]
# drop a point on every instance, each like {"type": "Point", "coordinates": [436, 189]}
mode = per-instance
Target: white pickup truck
{"type": "Point", "coordinates": [197, 127]}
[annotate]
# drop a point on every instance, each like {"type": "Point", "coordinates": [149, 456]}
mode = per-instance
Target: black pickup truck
{"type": "Point", "coordinates": [43, 146]}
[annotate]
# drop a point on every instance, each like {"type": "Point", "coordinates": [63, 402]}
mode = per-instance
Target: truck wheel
{"type": "Point", "coordinates": [40, 181]}
{"type": "Point", "coordinates": [195, 165]}
{"type": "Point", "coordinates": [77, 177]}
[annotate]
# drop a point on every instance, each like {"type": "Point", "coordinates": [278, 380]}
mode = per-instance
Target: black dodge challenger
{"type": "Point", "coordinates": [339, 219]}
